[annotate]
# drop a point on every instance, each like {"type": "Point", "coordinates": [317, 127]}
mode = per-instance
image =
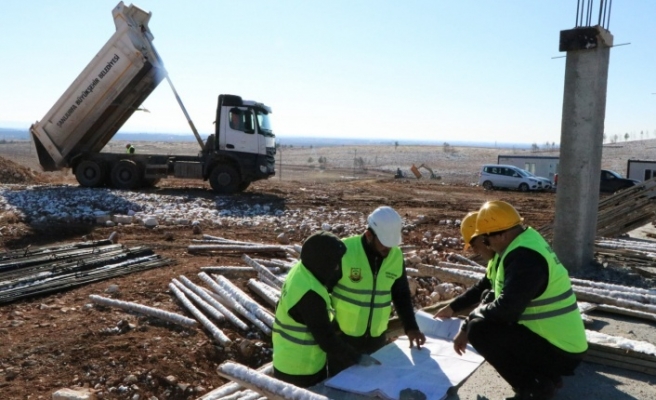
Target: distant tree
{"type": "Point", "coordinates": [396, 144]}
{"type": "Point", "coordinates": [553, 145]}
{"type": "Point", "coordinates": [641, 134]}
{"type": "Point", "coordinates": [535, 147]}
{"type": "Point", "coordinates": [310, 159]}
{"type": "Point", "coordinates": [277, 145]}
{"type": "Point", "coordinates": [626, 136]}
{"type": "Point", "coordinates": [615, 138]}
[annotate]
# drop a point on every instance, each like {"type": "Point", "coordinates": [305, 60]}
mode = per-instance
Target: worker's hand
{"type": "Point", "coordinates": [366, 360]}
{"type": "Point", "coordinates": [444, 312]}
{"type": "Point", "coordinates": [460, 342]}
{"type": "Point", "coordinates": [417, 337]}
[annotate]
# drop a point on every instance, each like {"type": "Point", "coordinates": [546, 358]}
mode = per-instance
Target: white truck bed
{"type": "Point", "coordinates": [105, 94]}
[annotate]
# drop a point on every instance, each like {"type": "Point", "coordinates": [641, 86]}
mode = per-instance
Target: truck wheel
{"type": "Point", "coordinates": [126, 175]}
{"type": "Point", "coordinates": [225, 179]}
{"type": "Point", "coordinates": [90, 173]}
{"type": "Point", "coordinates": [243, 186]}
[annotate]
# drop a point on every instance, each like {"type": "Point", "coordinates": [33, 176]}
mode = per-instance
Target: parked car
{"type": "Point", "coordinates": [546, 183]}
{"type": "Point", "coordinates": [495, 176]}
{"type": "Point", "coordinates": [611, 181]}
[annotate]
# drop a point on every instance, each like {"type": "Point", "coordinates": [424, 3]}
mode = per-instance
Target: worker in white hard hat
{"type": "Point", "coordinates": [482, 290]}
{"type": "Point", "coordinates": [532, 332]}
{"type": "Point", "coordinates": [373, 277]}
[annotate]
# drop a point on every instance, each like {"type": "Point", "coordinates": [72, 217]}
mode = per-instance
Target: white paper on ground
{"type": "Point", "coordinates": [432, 370]}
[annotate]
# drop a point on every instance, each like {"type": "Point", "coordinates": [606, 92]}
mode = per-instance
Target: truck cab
{"type": "Point", "coordinates": [245, 145]}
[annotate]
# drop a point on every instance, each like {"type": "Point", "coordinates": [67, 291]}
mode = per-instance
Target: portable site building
{"type": "Point", "coordinates": [544, 166]}
{"type": "Point", "coordinates": [641, 170]}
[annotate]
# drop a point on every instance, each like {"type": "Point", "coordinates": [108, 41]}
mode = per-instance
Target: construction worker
{"type": "Point", "coordinates": [129, 148]}
{"type": "Point", "coordinates": [482, 290]}
{"type": "Point", "coordinates": [373, 276]}
{"type": "Point", "coordinates": [303, 332]}
{"type": "Point", "coordinates": [532, 332]}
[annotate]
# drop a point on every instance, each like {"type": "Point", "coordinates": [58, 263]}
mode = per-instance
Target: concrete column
{"type": "Point", "coordinates": [581, 139]}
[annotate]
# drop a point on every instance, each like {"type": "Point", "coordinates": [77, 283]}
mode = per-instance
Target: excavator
{"type": "Point", "coordinates": [415, 170]}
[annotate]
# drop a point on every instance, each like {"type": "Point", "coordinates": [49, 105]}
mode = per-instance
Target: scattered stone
{"type": "Point", "coordinates": [74, 394]}
{"type": "Point", "coordinates": [112, 289]}
{"type": "Point", "coordinates": [283, 239]}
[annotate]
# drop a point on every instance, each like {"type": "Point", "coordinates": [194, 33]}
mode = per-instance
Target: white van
{"type": "Point", "coordinates": [496, 176]}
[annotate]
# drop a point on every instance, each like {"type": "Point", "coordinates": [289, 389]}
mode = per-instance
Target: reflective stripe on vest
{"type": "Point", "coordinates": [554, 315]}
{"type": "Point", "coordinates": [295, 352]}
{"type": "Point", "coordinates": [360, 299]}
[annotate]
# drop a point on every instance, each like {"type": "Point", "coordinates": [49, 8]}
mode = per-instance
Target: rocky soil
{"type": "Point", "coordinates": [60, 340]}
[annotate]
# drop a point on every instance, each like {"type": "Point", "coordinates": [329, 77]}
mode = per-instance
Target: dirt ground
{"type": "Point", "coordinates": [58, 340]}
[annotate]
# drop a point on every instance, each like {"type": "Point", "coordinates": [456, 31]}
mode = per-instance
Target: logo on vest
{"type": "Point", "coordinates": [356, 275]}
{"type": "Point", "coordinates": [390, 275]}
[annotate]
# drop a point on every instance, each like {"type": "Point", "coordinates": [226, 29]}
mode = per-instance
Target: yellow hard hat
{"type": "Point", "coordinates": [495, 216]}
{"type": "Point", "coordinates": [468, 227]}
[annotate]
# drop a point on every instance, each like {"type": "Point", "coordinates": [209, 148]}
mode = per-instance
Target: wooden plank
{"type": "Point", "coordinates": [622, 352]}
{"type": "Point", "coordinates": [619, 364]}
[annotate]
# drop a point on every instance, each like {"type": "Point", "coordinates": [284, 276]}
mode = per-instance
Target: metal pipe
{"type": "Point", "coordinates": [262, 270]}
{"type": "Point", "coordinates": [245, 300]}
{"type": "Point", "coordinates": [216, 304]}
{"type": "Point", "coordinates": [216, 332]}
{"type": "Point", "coordinates": [145, 310]}
{"type": "Point", "coordinates": [234, 304]}
{"type": "Point", "coordinates": [271, 388]}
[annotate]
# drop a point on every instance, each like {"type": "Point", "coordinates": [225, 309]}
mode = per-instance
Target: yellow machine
{"type": "Point", "coordinates": [415, 170]}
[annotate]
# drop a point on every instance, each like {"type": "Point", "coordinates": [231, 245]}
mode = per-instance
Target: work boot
{"type": "Point", "coordinates": [541, 389]}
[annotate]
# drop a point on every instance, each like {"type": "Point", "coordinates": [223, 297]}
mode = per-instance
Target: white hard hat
{"type": "Point", "coordinates": [386, 224]}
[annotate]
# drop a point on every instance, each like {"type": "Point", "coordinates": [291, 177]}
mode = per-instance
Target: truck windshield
{"type": "Point", "coordinates": [264, 123]}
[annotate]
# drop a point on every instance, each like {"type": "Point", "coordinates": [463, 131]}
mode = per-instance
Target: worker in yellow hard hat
{"type": "Point", "coordinates": [482, 289]}
{"type": "Point", "coordinates": [532, 332]}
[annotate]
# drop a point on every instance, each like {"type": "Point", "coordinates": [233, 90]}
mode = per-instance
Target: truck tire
{"type": "Point", "coordinates": [91, 173]}
{"type": "Point", "coordinates": [126, 174]}
{"type": "Point", "coordinates": [225, 179]}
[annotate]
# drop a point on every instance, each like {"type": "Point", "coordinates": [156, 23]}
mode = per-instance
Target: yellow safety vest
{"type": "Point", "coordinates": [361, 299]}
{"type": "Point", "coordinates": [554, 315]}
{"type": "Point", "coordinates": [491, 270]}
{"type": "Point", "coordinates": [295, 352]}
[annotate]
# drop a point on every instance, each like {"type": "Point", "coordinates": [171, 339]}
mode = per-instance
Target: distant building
{"type": "Point", "coordinates": [641, 170]}
{"type": "Point", "coordinates": [544, 166]}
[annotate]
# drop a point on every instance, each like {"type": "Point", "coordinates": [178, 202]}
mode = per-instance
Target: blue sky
{"type": "Point", "coordinates": [441, 70]}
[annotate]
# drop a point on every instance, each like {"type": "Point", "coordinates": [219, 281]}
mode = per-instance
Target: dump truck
{"type": "Point", "coordinates": [112, 87]}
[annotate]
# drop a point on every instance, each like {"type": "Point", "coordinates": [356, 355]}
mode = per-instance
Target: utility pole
{"type": "Point", "coordinates": [584, 107]}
